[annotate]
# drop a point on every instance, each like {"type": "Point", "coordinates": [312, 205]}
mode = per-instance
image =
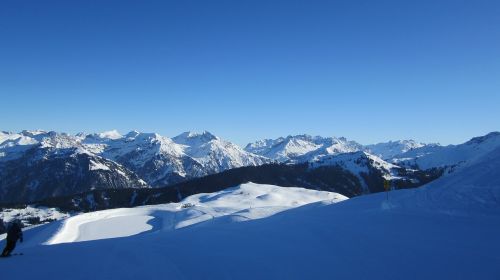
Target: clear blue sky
{"type": "Point", "coordinates": [367, 70]}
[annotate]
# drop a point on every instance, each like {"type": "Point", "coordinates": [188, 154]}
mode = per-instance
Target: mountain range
{"type": "Point", "coordinates": [447, 229]}
{"type": "Point", "coordinates": [37, 165]}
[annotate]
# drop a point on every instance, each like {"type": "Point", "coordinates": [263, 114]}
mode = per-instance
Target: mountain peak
{"type": "Point", "coordinates": [480, 139]}
{"type": "Point", "coordinates": [111, 134]}
{"type": "Point", "coordinates": [302, 147]}
{"type": "Point", "coordinates": [390, 149]}
{"type": "Point", "coordinates": [188, 137]}
{"type": "Point", "coordinates": [31, 133]}
{"type": "Point", "coordinates": [132, 134]}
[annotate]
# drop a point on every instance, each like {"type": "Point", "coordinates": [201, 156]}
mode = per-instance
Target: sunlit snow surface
{"type": "Point", "coordinates": [448, 229]}
{"type": "Point", "coordinates": [246, 202]}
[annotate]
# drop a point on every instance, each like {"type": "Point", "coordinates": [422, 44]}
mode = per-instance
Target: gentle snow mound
{"type": "Point", "coordinates": [245, 202]}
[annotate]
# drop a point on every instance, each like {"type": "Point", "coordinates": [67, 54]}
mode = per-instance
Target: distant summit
{"type": "Point", "coordinates": [301, 148]}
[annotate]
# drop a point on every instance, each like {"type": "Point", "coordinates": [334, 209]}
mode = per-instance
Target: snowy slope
{"type": "Point", "coordinates": [449, 156]}
{"type": "Point", "coordinates": [446, 230]}
{"type": "Point", "coordinates": [472, 189]}
{"type": "Point", "coordinates": [359, 163]}
{"type": "Point", "coordinates": [245, 202]}
{"type": "Point", "coordinates": [302, 148]}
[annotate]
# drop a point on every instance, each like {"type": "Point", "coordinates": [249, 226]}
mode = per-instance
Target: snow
{"type": "Point", "coordinates": [245, 202]}
{"type": "Point", "coordinates": [112, 134]}
{"type": "Point", "coordinates": [13, 145]}
{"type": "Point", "coordinates": [187, 155]}
{"type": "Point", "coordinates": [191, 138]}
{"type": "Point", "coordinates": [29, 212]}
{"type": "Point", "coordinates": [391, 149]}
{"type": "Point", "coordinates": [102, 225]}
{"type": "Point", "coordinates": [156, 159]}
{"type": "Point", "coordinates": [473, 189]}
{"type": "Point", "coordinates": [99, 166]}
{"type": "Point", "coordinates": [452, 155]}
{"type": "Point", "coordinates": [445, 230]}
{"type": "Point", "coordinates": [302, 148]}
{"type": "Point", "coordinates": [215, 154]}
{"type": "Point", "coordinates": [358, 163]}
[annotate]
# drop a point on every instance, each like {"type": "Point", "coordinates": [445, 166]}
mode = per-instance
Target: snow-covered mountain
{"type": "Point", "coordinates": [361, 161]}
{"type": "Point", "coordinates": [35, 165]}
{"type": "Point", "coordinates": [215, 154]}
{"type": "Point", "coordinates": [161, 161]}
{"type": "Point", "coordinates": [451, 156]}
{"type": "Point", "coordinates": [38, 164]}
{"type": "Point", "coordinates": [302, 148]}
{"type": "Point", "coordinates": [155, 158]}
{"type": "Point", "coordinates": [362, 165]}
{"type": "Point", "coordinates": [387, 150]}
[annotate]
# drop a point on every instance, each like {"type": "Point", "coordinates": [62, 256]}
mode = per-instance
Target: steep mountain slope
{"type": "Point", "coordinates": [449, 156]}
{"type": "Point", "coordinates": [215, 154]}
{"type": "Point", "coordinates": [156, 159]}
{"type": "Point", "coordinates": [446, 230]}
{"type": "Point", "coordinates": [45, 165]}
